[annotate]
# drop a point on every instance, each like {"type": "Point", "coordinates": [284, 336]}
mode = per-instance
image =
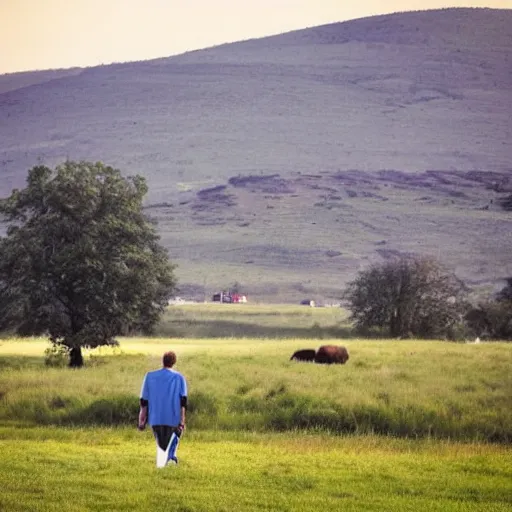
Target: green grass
{"type": "Point", "coordinates": [404, 425]}
{"type": "Point", "coordinates": [253, 321]}
{"type": "Point", "coordinates": [47, 469]}
{"type": "Point", "coordinates": [399, 388]}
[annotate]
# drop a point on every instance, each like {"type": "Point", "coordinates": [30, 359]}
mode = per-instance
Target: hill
{"type": "Point", "coordinates": [288, 163]}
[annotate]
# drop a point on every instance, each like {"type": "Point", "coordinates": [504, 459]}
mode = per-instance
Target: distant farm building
{"type": "Point", "coordinates": [308, 302]}
{"type": "Point", "coordinates": [229, 298]}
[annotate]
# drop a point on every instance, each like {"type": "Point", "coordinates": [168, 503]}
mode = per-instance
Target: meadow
{"type": "Point", "coordinates": [423, 425]}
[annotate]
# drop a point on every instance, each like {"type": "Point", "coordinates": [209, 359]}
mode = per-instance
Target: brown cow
{"type": "Point", "coordinates": [329, 354]}
{"type": "Point", "coordinates": [307, 354]}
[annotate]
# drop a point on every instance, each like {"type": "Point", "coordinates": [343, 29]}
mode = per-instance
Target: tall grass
{"type": "Point", "coordinates": [398, 388]}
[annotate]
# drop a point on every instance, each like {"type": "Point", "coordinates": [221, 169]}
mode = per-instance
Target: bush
{"type": "Point", "coordinates": [491, 320]}
{"type": "Point", "coordinates": [406, 297]}
{"type": "Point", "coordinates": [56, 356]}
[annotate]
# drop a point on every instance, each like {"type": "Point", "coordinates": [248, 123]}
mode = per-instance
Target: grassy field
{"type": "Point", "coordinates": [47, 469]}
{"type": "Point", "coordinates": [404, 425]}
{"type": "Point", "coordinates": [213, 320]}
{"type": "Point", "coordinates": [407, 388]}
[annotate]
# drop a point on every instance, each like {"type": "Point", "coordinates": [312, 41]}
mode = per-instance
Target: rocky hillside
{"type": "Point", "coordinates": [290, 162]}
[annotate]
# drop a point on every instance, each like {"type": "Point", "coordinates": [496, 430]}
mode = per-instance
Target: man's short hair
{"type": "Point", "coordinates": [169, 359]}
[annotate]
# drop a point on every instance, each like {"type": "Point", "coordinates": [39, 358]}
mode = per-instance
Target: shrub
{"type": "Point", "coordinates": [407, 296]}
{"type": "Point", "coordinates": [56, 356]}
{"type": "Point", "coordinates": [491, 319]}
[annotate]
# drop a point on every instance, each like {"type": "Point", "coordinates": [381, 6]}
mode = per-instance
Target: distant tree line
{"type": "Point", "coordinates": [417, 297]}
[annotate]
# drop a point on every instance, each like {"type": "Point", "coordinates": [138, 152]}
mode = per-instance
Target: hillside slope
{"type": "Point", "coordinates": [288, 163]}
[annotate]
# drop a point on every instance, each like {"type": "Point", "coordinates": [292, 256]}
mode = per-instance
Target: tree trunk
{"type": "Point", "coordinates": [75, 357]}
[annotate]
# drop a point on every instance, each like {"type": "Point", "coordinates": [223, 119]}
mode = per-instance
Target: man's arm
{"type": "Point", "coordinates": [144, 403]}
{"type": "Point", "coordinates": [183, 411]}
{"type": "Point", "coordinates": [143, 414]}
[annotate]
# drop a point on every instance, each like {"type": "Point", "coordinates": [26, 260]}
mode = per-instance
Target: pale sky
{"type": "Point", "coordinates": [50, 34]}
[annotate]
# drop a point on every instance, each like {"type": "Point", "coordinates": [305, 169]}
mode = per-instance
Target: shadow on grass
{"type": "Point", "coordinates": [109, 411]}
{"type": "Point", "coordinates": [227, 329]}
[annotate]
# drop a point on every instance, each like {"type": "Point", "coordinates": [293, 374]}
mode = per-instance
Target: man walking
{"type": "Point", "coordinates": [163, 403]}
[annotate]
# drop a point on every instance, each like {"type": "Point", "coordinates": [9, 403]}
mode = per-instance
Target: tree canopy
{"type": "Point", "coordinates": [81, 262]}
{"type": "Point", "coordinates": [405, 297]}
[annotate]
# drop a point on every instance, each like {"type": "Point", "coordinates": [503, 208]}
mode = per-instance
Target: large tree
{"type": "Point", "coordinates": [408, 296]}
{"type": "Point", "coordinates": [81, 262]}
